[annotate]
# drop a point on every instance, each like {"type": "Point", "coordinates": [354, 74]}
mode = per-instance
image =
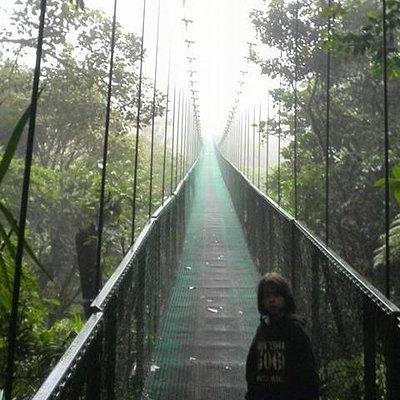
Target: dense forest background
{"type": "Point", "coordinates": [356, 198]}
{"type": "Point", "coordinates": [63, 204]}
{"type": "Point", "coordinates": [65, 181]}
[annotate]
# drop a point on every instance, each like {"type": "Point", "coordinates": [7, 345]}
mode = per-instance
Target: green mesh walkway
{"type": "Point", "coordinates": [211, 317]}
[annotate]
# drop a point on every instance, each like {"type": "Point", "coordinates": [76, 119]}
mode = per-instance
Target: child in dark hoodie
{"type": "Point", "coordinates": [280, 364]}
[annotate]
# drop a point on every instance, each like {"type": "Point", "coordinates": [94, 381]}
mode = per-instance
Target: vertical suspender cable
{"type": "Point", "coordinates": [105, 154]}
{"type": "Point", "coordinates": [187, 125]}
{"type": "Point", "coordinates": [12, 330]}
{"type": "Point", "coordinates": [240, 142]}
{"type": "Point", "coordinates": [166, 132]}
{"type": "Point", "coordinates": [279, 135]}
{"type": "Point", "coordinates": [233, 136]}
{"type": "Point", "coordinates": [190, 141]}
{"type": "Point", "coordinates": [245, 142]}
{"type": "Point", "coordinates": [231, 141]}
{"type": "Point", "coordinates": [153, 112]}
{"type": "Point", "coordinates": [177, 138]}
{"type": "Point", "coordinates": [387, 166]}
{"type": "Point", "coordinates": [186, 137]}
{"type": "Point", "coordinates": [328, 109]}
{"type": "Point", "coordinates": [183, 122]}
{"type": "Point", "coordinates": [295, 148]}
{"type": "Point", "coordinates": [173, 142]}
{"type": "Point", "coordinates": [183, 144]}
{"type": "Point", "coordinates": [183, 132]}
{"type": "Point", "coordinates": [194, 133]}
{"type": "Point", "coordinates": [233, 147]}
{"type": "Point", "coordinates": [236, 142]}
{"type": "Point", "coordinates": [139, 109]}
{"type": "Point", "coordinates": [248, 142]}
{"type": "Point", "coordinates": [267, 149]}
{"type": "Point", "coordinates": [190, 136]}
{"type": "Point", "coordinates": [259, 147]}
{"type": "Point", "coordinates": [254, 144]}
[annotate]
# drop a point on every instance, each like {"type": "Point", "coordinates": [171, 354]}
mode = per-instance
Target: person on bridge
{"type": "Point", "coordinates": [280, 363]}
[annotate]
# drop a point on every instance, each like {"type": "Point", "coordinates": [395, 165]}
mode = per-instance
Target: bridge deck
{"type": "Point", "coordinates": [211, 316]}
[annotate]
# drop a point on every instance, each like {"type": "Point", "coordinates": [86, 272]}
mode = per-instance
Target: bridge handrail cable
{"type": "Point", "coordinates": [76, 357]}
{"type": "Point", "coordinates": [360, 282]}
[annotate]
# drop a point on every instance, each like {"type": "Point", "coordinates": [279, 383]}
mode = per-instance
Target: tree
{"type": "Point", "coordinates": [65, 178]}
{"type": "Point", "coordinates": [355, 121]}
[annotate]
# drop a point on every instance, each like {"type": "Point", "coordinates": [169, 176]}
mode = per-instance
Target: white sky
{"type": "Point", "coordinates": [220, 29]}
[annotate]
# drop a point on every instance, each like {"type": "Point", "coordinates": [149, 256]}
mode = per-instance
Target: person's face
{"type": "Point", "coordinates": [274, 303]}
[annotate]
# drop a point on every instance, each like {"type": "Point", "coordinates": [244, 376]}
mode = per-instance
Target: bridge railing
{"type": "Point", "coordinates": [354, 328]}
{"type": "Point", "coordinates": [110, 357]}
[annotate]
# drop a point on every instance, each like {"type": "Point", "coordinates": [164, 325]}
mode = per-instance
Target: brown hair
{"type": "Point", "coordinates": [282, 287]}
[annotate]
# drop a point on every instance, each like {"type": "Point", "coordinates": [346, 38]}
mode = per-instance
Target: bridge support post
{"type": "Point", "coordinates": [271, 251]}
{"type": "Point", "coordinates": [369, 342]}
{"type": "Point", "coordinates": [110, 349]}
{"type": "Point", "coordinates": [315, 305]}
{"type": "Point", "coordinates": [294, 258]}
{"type": "Point", "coordinates": [158, 265]}
{"type": "Point", "coordinates": [93, 375]}
{"type": "Point", "coordinates": [140, 322]}
{"type": "Point", "coordinates": [392, 357]}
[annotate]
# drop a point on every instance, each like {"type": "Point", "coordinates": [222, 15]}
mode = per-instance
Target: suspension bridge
{"type": "Point", "coordinates": [176, 317]}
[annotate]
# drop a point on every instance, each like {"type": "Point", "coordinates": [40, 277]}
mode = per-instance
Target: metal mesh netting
{"type": "Point", "coordinates": [211, 315]}
{"type": "Point", "coordinates": [111, 356]}
{"type": "Point", "coordinates": [354, 329]}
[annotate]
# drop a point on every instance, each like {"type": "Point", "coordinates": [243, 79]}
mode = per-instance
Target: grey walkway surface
{"type": "Point", "coordinates": [211, 316]}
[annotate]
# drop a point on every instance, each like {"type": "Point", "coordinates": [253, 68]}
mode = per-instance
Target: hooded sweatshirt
{"type": "Point", "coordinates": [280, 364]}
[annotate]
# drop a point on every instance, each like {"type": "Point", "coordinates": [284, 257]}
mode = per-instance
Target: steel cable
{"type": "Point", "coordinates": [105, 155]}
{"type": "Point", "coordinates": [153, 111]}
{"type": "Point", "coordinates": [165, 132]}
{"type": "Point", "coordinates": [12, 329]}
{"type": "Point", "coordinates": [139, 105]}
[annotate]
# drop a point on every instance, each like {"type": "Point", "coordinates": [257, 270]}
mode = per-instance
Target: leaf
{"type": "Point", "coordinates": [380, 183]}
{"type": "Point", "coordinates": [11, 249]}
{"type": "Point", "coordinates": [14, 140]}
{"type": "Point", "coordinates": [392, 182]}
{"type": "Point", "coordinates": [13, 224]}
{"type": "Point", "coordinates": [373, 15]}
{"type": "Point", "coordinates": [13, 143]}
{"type": "Point", "coordinates": [396, 171]}
{"type": "Point", "coordinates": [397, 195]}
{"type": "Point", "coordinates": [6, 237]}
{"type": "Point", "coordinates": [4, 271]}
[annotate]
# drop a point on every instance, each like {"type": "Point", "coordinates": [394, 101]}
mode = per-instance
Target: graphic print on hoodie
{"type": "Point", "coordinates": [280, 364]}
{"type": "Point", "coordinates": [271, 362]}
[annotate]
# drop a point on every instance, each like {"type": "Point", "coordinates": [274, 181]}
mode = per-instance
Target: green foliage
{"type": "Point", "coordinates": [365, 36]}
{"type": "Point", "coordinates": [345, 378]}
{"type": "Point", "coordinates": [355, 121]}
{"type": "Point", "coordinates": [394, 182]}
{"type": "Point", "coordinates": [394, 245]}
{"type": "Point", "coordinates": [356, 208]}
{"type": "Point", "coordinates": [65, 176]}
{"type": "Point", "coordinates": [394, 229]}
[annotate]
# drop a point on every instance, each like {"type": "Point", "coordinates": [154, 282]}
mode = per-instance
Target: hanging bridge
{"type": "Point", "coordinates": [176, 317]}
